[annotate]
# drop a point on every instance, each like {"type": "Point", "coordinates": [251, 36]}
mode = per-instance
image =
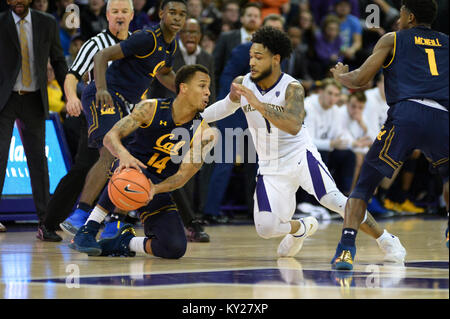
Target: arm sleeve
{"type": "Point", "coordinates": [140, 44]}
{"type": "Point", "coordinates": [220, 110]}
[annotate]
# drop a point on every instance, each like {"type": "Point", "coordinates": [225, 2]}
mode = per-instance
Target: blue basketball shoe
{"type": "Point", "coordinates": [343, 258]}
{"type": "Point", "coordinates": [74, 222]}
{"type": "Point", "coordinates": [119, 244]}
{"type": "Point", "coordinates": [110, 229]}
{"type": "Point", "coordinates": [84, 240]}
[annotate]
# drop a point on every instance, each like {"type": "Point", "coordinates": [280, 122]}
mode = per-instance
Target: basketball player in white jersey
{"type": "Point", "coordinates": [273, 105]}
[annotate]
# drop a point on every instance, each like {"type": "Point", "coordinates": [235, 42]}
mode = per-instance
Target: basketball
{"type": "Point", "coordinates": [129, 189]}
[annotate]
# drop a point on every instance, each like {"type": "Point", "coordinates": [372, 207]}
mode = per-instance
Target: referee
{"type": "Point", "coordinates": [119, 14]}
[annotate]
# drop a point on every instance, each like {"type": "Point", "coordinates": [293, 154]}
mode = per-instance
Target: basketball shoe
{"type": "Point", "coordinates": [343, 258]}
{"type": "Point", "coordinates": [291, 244]}
{"type": "Point", "coordinates": [196, 233]}
{"type": "Point", "coordinates": [392, 248]}
{"type": "Point", "coordinates": [119, 244]}
{"type": "Point", "coordinates": [110, 229]}
{"type": "Point", "coordinates": [74, 222]}
{"type": "Point", "coordinates": [84, 240]}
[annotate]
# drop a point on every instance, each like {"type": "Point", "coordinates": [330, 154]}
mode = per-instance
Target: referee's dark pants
{"type": "Point", "coordinates": [70, 186]}
{"type": "Point", "coordinates": [28, 111]}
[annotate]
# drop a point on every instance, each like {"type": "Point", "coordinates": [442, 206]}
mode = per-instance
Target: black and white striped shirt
{"type": "Point", "coordinates": [84, 62]}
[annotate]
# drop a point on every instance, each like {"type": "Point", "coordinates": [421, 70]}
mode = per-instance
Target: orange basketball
{"type": "Point", "coordinates": [129, 189]}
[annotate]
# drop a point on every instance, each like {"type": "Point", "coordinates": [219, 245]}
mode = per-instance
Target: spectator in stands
{"type": "Point", "coordinates": [194, 9]}
{"type": "Point", "coordinates": [208, 42]}
{"type": "Point", "coordinates": [66, 32]}
{"type": "Point", "coordinates": [93, 19]}
{"type": "Point", "coordinates": [40, 5]}
{"type": "Point", "coordinates": [321, 8]}
{"type": "Point", "coordinates": [297, 64]}
{"type": "Point", "coordinates": [354, 129]}
{"type": "Point", "coordinates": [273, 7]}
{"type": "Point", "coordinates": [211, 17]}
{"type": "Point", "coordinates": [55, 102]}
{"type": "Point", "coordinates": [75, 45]}
{"type": "Point", "coordinates": [376, 107]}
{"type": "Point", "coordinates": [61, 6]}
{"type": "Point", "coordinates": [327, 46]}
{"type": "Point", "coordinates": [251, 21]}
{"type": "Point", "coordinates": [321, 113]}
{"type": "Point", "coordinates": [307, 24]}
{"type": "Point", "coordinates": [141, 18]}
{"type": "Point", "coordinates": [350, 32]}
{"type": "Point", "coordinates": [230, 16]}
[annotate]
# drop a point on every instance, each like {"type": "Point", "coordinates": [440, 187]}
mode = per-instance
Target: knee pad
{"type": "Point", "coordinates": [269, 225]}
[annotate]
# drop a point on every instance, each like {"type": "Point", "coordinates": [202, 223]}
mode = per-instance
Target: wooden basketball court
{"type": "Point", "coordinates": [236, 264]}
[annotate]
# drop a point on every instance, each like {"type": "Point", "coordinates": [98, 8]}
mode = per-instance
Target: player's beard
{"type": "Point", "coordinates": [264, 74]}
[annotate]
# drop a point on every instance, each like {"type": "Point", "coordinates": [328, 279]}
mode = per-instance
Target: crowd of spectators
{"type": "Point", "coordinates": [343, 124]}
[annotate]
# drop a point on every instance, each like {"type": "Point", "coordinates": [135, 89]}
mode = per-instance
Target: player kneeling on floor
{"type": "Point", "coordinates": [172, 139]}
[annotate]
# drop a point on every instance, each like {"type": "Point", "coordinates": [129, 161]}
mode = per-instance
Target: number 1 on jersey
{"type": "Point", "coordinates": [432, 62]}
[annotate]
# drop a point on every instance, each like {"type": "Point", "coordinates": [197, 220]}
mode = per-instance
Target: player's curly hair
{"type": "Point", "coordinates": [276, 41]}
{"type": "Point", "coordinates": [425, 11]}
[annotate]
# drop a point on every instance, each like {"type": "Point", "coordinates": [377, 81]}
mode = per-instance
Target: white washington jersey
{"type": "Point", "coordinates": [286, 161]}
{"type": "Point", "coordinates": [273, 145]}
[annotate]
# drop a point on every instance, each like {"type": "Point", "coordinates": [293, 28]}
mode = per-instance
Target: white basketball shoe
{"type": "Point", "coordinates": [291, 244]}
{"type": "Point", "coordinates": [392, 248]}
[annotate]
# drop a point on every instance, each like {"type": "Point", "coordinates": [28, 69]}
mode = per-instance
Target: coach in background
{"type": "Point", "coordinates": [28, 38]}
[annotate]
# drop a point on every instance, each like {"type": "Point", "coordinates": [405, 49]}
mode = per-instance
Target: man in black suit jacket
{"type": "Point", "coordinates": [251, 21]}
{"type": "Point", "coordinates": [28, 39]}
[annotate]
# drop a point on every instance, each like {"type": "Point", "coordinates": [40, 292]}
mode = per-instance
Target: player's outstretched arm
{"type": "Point", "coordinates": [225, 107]}
{"type": "Point", "coordinates": [290, 118]}
{"type": "Point", "coordinates": [360, 77]}
{"type": "Point", "coordinates": [192, 161]}
{"type": "Point", "coordinates": [101, 60]}
{"type": "Point", "coordinates": [166, 77]}
{"type": "Point", "coordinates": [142, 113]}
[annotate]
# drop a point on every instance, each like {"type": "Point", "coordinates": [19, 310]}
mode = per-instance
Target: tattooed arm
{"type": "Point", "coordinates": [192, 161]}
{"type": "Point", "coordinates": [142, 113]}
{"type": "Point", "coordinates": [288, 119]}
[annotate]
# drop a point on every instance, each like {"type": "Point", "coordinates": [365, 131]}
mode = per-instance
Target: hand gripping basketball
{"type": "Point", "coordinates": [129, 189]}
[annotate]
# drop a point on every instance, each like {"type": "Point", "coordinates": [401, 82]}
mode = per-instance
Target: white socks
{"type": "Point", "coordinates": [97, 215]}
{"type": "Point", "coordinates": [137, 244]}
{"type": "Point", "coordinates": [301, 231]}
